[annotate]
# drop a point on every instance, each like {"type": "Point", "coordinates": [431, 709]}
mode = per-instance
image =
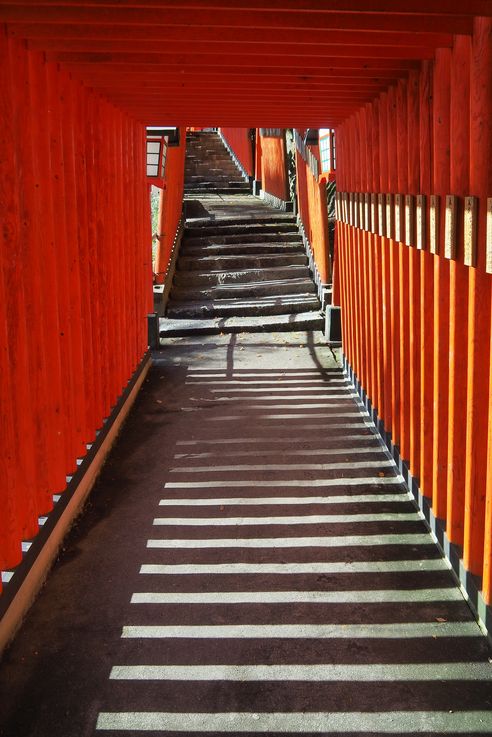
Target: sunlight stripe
{"type": "Point", "coordinates": [373, 672]}
{"type": "Point", "coordinates": [373, 447]}
{"type": "Point", "coordinates": [399, 630]}
{"type": "Point", "coordinates": [255, 501]}
{"type": "Point", "coordinates": [281, 483]}
{"type": "Point", "coordinates": [392, 566]}
{"type": "Point", "coordinates": [308, 519]}
{"type": "Point", "coordinates": [394, 722]}
{"type": "Point", "coordinates": [341, 466]}
{"type": "Point", "coordinates": [300, 597]}
{"type": "Point", "coordinates": [328, 541]}
{"type": "Point", "coordinates": [282, 441]}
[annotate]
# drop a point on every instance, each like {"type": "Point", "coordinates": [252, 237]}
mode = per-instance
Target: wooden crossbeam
{"type": "Point", "coordinates": [191, 34]}
{"type": "Point", "coordinates": [322, 7]}
{"type": "Point", "coordinates": [235, 18]}
{"type": "Point", "coordinates": [298, 53]}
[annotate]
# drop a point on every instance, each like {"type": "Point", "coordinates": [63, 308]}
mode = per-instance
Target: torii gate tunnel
{"type": "Point", "coordinates": [407, 87]}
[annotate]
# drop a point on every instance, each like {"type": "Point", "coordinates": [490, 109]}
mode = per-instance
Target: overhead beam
{"type": "Point", "coordinates": [304, 74]}
{"type": "Point", "coordinates": [297, 53]}
{"type": "Point", "coordinates": [199, 61]}
{"type": "Point", "coordinates": [412, 7]}
{"type": "Point", "coordinates": [187, 34]}
{"type": "Point", "coordinates": [235, 18]}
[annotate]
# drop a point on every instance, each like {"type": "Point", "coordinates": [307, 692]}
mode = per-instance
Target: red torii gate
{"type": "Point", "coordinates": [408, 87]}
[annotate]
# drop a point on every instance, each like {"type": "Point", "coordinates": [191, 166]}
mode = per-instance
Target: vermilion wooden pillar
{"type": "Point", "coordinates": [12, 512]}
{"type": "Point", "coordinates": [387, 317]}
{"type": "Point", "coordinates": [378, 264]}
{"type": "Point", "coordinates": [413, 133]}
{"type": "Point", "coordinates": [458, 290]}
{"type": "Point", "coordinates": [426, 289]}
{"type": "Point", "coordinates": [30, 253]}
{"type": "Point", "coordinates": [13, 255]}
{"type": "Point", "coordinates": [404, 254]}
{"type": "Point", "coordinates": [479, 299]}
{"type": "Point", "coordinates": [441, 117]}
{"type": "Point", "coordinates": [57, 189]}
{"type": "Point", "coordinates": [394, 304]}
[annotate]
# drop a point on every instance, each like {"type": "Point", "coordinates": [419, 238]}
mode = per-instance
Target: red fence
{"type": "Point", "coordinates": [240, 142]}
{"type": "Point", "coordinates": [171, 205]}
{"type": "Point", "coordinates": [75, 278]}
{"type": "Point", "coordinates": [273, 166]}
{"type": "Point", "coordinates": [311, 197]}
{"type": "Point", "coordinates": [416, 295]}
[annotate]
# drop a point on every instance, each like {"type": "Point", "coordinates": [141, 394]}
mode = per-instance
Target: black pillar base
{"type": "Point", "coordinates": [333, 325]}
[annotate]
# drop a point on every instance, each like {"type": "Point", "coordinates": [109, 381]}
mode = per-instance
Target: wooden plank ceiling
{"type": "Point", "coordinates": [270, 63]}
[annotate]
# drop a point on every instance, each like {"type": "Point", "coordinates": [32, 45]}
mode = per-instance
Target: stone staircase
{"type": "Point", "coordinates": [242, 266]}
{"type": "Point", "coordinates": [208, 166]}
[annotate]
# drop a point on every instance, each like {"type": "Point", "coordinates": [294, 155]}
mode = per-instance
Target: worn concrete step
{"type": "Point", "coordinates": [218, 178]}
{"type": "Point", "coordinates": [273, 305]}
{"type": "Point", "coordinates": [197, 190]}
{"type": "Point", "coordinates": [238, 228]}
{"type": "Point", "coordinates": [264, 323]}
{"type": "Point", "coordinates": [264, 217]}
{"type": "Point", "coordinates": [225, 182]}
{"type": "Point", "coordinates": [245, 237]}
{"type": "Point", "coordinates": [241, 262]}
{"type": "Point", "coordinates": [250, 290]}
{"type": "Point", "coordinates": [246, 276]}
{"type": "Point", "coordinates": [241, 249]}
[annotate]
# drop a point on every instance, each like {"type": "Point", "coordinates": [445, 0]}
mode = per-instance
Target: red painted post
{"type": "Point", "coordinates": [426, 289]}
{"type": "Point", "coordinates": [458, 291]}
{"type": "Point", "coordinates": [479, 298]}
{"type": "Point", "coordinates": [413, 134]}
{"type": "Point", "coordinates": [387, 318]}
{"type": "Point", "coordinates": [394, 303]}
{"type": "Point", "coordinates": [441, 169]}
{"type": "Point", "coordinates": [403, 272]}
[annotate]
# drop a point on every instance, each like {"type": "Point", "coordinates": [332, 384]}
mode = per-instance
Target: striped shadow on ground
{"type": "Point", "coordinates": [259, 629]}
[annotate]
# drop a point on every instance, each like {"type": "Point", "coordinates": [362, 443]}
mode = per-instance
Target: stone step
{"type": "Point", "coordinates": [246, 276]}
{"type": "Point", "coordinates": [200, 191]}
{"type": "Point", "coordinates": [223, 182]}
{"type": "Point", "coordinates": [253, 226]}
{"type": "Point", "coordinates": [240, 262]}
{"type": "Point", "coordinates": [274, 305]}
{"type": "Point", "coordinates": [265, 288]}
{"type": "Point", "coordinates": [222, 179]}
{"type": "Point", "coordinates": [264, 323]}
{"type": "Point", "coordinates": [218, 240]}
{"type": "Point", "coordinates": [241, 249]}
{"type": "Point", "coordinates": [249, 220]}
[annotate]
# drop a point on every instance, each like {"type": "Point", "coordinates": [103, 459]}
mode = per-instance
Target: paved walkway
{"type": "Point", "coordinates": [249, 563]}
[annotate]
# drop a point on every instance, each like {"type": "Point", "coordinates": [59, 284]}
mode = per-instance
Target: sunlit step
{"type": "Point", "coordinates": [392, 566]}
{"type": "Point", "coordinates": [394, 722]}
{"type": "Point", "coordinates": [315, 631]}
{"type": "Point", "coordinates": [374, 672]}
{"type": "Point", "coordinates": [327, 541]}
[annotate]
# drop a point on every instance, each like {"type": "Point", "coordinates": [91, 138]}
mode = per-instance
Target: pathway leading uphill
{"type": "Point", "coordinates": [249, 563]}
{"type": "Point", "coordinates": [242, 265]}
